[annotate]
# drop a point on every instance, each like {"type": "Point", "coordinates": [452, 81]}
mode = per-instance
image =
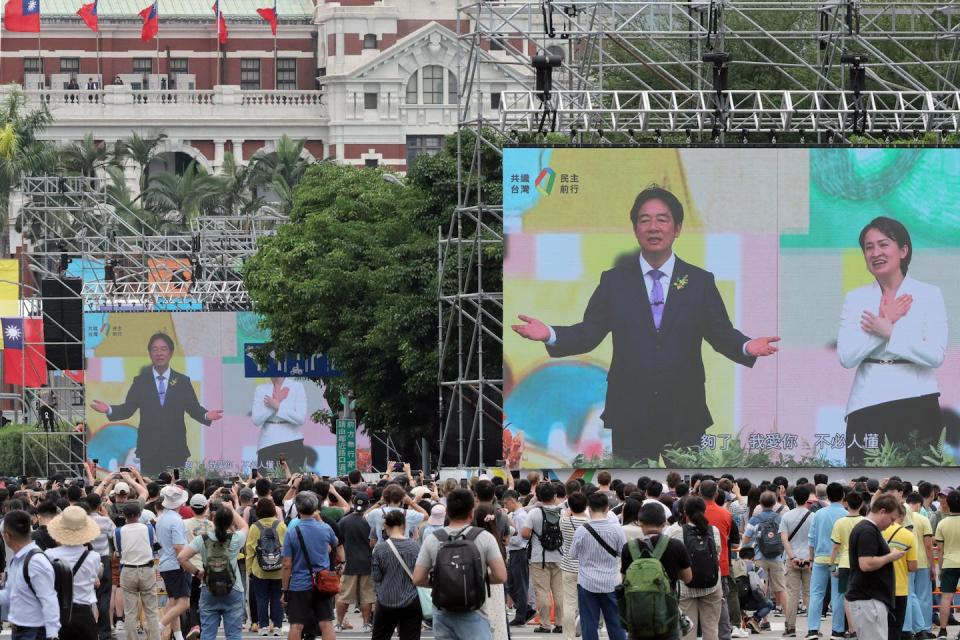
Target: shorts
{"type": "Point", "coordinates": [775, 574]}
{"type": "Point", "coordinates": [176, 583]}
{"type": "Point", "coordinates": [356, 590]}
{"type": "Point", "coordinates": [948, 580]}
{"type": "Point", "coordinates": [843, 579]}
{"type": "Point", "coordinates": [308, 607]}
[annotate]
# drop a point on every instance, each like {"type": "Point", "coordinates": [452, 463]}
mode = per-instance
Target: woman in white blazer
{"type": "Point", "coordinates": [894, 331]}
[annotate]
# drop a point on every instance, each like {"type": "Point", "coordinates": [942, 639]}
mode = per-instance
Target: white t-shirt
{"type": "Point", "coordinates": [134, 544]}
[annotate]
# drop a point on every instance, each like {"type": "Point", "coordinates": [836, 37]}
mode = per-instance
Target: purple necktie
{"type": "Point", "coordinates": [656, 297]}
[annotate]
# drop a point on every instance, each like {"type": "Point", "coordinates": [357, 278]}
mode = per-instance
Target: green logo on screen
{"type": "Point", "coordinates": [544, 181]}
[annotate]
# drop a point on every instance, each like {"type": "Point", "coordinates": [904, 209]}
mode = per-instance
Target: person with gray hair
{"type": "Point", "coordinates": [306, 549]}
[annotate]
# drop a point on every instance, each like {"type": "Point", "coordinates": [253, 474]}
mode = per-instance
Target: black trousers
{"type": "Point", "coordinates": [896, 617]}
{"type": "Point", "coordinates": [518, 581]}
{"type": "Point", "coordinates": [911, 420]}
{"type": "Point", "coordinates": [104, 626]}
{"type": "Point", "coordinates": [406, 620]}
{"type": "Point", "coordinates": [82, 625]}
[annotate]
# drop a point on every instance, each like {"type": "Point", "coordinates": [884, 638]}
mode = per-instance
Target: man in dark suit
{"type": "Point", "coordinates": [162, 396]}
{"type": "Point", "coordinates": [659, 309]}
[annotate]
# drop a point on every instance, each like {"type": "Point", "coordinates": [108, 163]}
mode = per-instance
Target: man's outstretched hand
{"type": "Point", "coordinates": [762, 346]}
{"type": "Point", "coordinates": [532, 329]}
{"type": "Point", "coordinates": [214, 414]}
{"type": "Point", "coordinates": [100, 406]}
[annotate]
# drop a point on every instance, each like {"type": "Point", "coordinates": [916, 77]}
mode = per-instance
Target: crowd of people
{"type": "Point", "coordinates": [697, 557]}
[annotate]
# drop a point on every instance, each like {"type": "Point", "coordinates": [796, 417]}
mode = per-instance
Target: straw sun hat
{"type": "Point", "coordinates": [73, 527]}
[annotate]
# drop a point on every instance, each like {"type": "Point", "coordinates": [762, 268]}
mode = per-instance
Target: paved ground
{"type": "Point", "coordinates": [525, 633]}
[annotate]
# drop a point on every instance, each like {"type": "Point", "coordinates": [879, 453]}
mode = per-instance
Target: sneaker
{"type": "Point", "coordinates": [813, 635]}
{"type": "Point", "coordinates": [517, 623]}
{"type": "Point", "coordinates": [789, 633]}
{"type": "Point", "coordinates": [739, 632]}
{"type": "Point", "coordinates": [119, 627]}
{"type": "Point", "coordinates": [276, 633]}
{"type": "Point", "coordinates": [542, 630]}
{"type": "Point", "coordinates": [193, 634]}
{"type": "Point", "coordinates": [558, 629]}
{"type": "Point", "coordinates": [838, 636]}
{"type": "Point", "coordinates": [927, 635]}
{"type": "Point", "coordinates": [942, 633]}
{"type": "Point", "coordinates": [753, 625]}
{"type": "Point", "coordinates": [367, 628]}
{"type": "Point", "coordinates": [531, 614]}
{"type": "Point", "coordinates": [338, 628]}
{"type": "Point", "coordinates": [765, 625]}
{"type": "Point", "coordinates": [264, 632]}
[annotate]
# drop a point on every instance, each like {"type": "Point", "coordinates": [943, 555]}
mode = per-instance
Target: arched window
{"type": "Point", "coordinates": [432, 84]}
{"type": "Point", "coordinates": [370, 41]}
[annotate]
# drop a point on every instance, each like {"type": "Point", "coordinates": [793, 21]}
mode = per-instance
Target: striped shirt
{"type": "Point", "coordinates": [599, 569]}
{"type": "Point", "coordinates": [569, 526]}
{"type": "Point", "coordinates": [394, 587]}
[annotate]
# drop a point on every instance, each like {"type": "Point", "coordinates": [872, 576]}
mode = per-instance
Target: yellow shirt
{"type": "Point", "coordinates": [841, 536]}
{"type": "Point", "coordinates": [900, 538]}
{"type": "Point", "coordinates": [921, 529]}
{"type": "Point", "coordinates": [253, 535]}
{"type": "Point", "coordinates": [948, 537]}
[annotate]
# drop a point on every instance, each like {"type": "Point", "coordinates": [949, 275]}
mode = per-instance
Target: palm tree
{"type": "Point", "coordinates": [85, 157]}
{"type": "Point", "coordinates": [141, 151]}
{"type": "Point", "coordinates": [235, 194]}
{"type": "Point", "coordinates": [281, 169]}
{"type": "Point", "coordinates": [179, 199]}
{"type": "Point", "coordinates": [21, 152]}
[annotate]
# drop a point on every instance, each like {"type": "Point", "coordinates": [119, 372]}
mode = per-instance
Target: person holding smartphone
{"type": "Point", "coordinates": [794, 533]}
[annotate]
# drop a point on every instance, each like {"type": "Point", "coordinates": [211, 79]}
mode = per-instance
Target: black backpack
{"type": "Point", "coordinates": [62, 580]}
{"type": "Point", "coordinates": [704, 559]}
{"type": "Point", "coordinates": [551, 536]}
{"type": "Point", "coordinates": [459, 575]}
{"type": "Point", "coordinates": [269, 549]}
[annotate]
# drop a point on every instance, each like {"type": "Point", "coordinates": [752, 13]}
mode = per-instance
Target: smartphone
{"type": "Point", "coordinates": [176, 473]}
{"type": "Point", "coordinates": [500, 463]}
{"type": "Point", "coordinates": [686, 478]}
{"type": "Point", "coordinates": [254, 472]}
{"type": "Point", "coordinates": [125, 469]}
{"type": "Point", "coordinates": [235, 479]}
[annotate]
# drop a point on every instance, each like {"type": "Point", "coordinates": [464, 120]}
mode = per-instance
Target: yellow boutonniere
{"type": "Point", "coordinates": [680, 283]}
{"type": "Point", "coordinates": [173, 381]}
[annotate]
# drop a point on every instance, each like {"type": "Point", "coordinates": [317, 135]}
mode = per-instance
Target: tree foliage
{"type": "Point", "coordinates": [353, 276]}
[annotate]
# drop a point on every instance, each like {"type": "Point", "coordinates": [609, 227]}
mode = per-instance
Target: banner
{"type": "Point", "coordinates": [170, 390]}
{"type": "Point", "coordinates": [643, 340]}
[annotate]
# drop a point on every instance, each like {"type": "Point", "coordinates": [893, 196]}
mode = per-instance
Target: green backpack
{"type": "Point", "coordinates": [648, 606]}
{"type": "Point", "coordinates": [217, 567]}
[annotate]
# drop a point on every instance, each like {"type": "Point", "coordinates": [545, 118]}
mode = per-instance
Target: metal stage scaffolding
{"type": "Point", "coordinates": [633, 72]}
{"type": "Point", "coordinates": [84, 251]}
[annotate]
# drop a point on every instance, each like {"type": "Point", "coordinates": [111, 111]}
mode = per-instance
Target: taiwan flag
{"type": "Point", "coordinates": [270, 15]}
{"type": "Point", "coordinates": [88, 13]}
{"type": "Point", "coordinates": [24, 355]}
{"type": "Point", "coordinates": [221, 23]}
{"type": "Point", "coordinates": [151, 22]}
{"type": "Point", "coordinates": [22, 15]}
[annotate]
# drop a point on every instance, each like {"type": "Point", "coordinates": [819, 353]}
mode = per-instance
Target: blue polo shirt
{"type": "Point", "coordinates": [319, 538]}
{"type": "Point", "coordinates": [820, 530]}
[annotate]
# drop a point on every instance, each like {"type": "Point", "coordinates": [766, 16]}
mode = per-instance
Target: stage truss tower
{"type": "Point", "coordinates": [719, 72]}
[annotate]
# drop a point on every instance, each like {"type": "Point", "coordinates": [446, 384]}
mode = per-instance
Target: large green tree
{"type": "Point", "coordinates": [353, 276]}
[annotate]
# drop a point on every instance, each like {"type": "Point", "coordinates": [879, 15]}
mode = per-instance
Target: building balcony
{"type": "Point", "coordinates": [122, 105]}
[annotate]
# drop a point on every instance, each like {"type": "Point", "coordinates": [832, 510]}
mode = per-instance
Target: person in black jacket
{"type": "Point", "coordinates": [162, 396]}
{"type": "Point", "coordinates": [659, 309]}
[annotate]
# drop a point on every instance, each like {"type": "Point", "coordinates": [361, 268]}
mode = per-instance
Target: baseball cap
{"type": "Point", "coordinates": [121, 487]}
{"type": "Point", "coordinates": [198, 501]}
{"type": "Point", "coordinates": [246, 494]}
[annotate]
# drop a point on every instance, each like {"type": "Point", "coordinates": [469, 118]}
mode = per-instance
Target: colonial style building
{"type": "Point", "coordinates": [367, 82]}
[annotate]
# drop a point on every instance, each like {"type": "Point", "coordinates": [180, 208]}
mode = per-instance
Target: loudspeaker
{"type": "Point", "coordinates": [63, 322]}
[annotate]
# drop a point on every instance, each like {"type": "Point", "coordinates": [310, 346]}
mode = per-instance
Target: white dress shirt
{"type": "Point", "coordinates": [25, 609]}
{"type": "Point", "coordinates": [920, 337]}
{"type": "Point", "coordinates": [135, 544]}
{"type": "Point", "coordinates": [284, 424]}
{"type": "Point", "coordinates": [85, 579]}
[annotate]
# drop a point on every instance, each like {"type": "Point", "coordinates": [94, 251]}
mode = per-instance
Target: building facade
{"type": "Point", "coordinates": [366, 82]}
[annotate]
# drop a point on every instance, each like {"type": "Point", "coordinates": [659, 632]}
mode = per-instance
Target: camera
{"type": "Point", "coordinates": [685, 625]}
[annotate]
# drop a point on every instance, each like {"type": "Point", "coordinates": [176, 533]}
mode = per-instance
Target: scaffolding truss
{"type": "Point", "coordinates": [97, 255]}
{"type": "Point", "coordinates": [720, 71]}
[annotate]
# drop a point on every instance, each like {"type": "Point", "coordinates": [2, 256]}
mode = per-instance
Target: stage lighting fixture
{"type": "Point", "coordinates": [543, 65]}
{"type": "Point", "coordinates": [689, 131]}
{"type": "Point", "coordinates": [743, 132]}
{"type": "Point", "coordinates": [858, 82]}
{"type": "Point", "coordinates": [196, 269]}
{"type": "Point", "coordinates": [573, 134]}
{"type": "Point", "coordinates": [802, 138]}
{"type": "Point", "coordinates": [109, 272]}
{"type": "Point", "coordinates": [659, 137]}
{"type": "Point", "coordinates": [720, 61]}
{"type": "Point", "coordinates": [64, 260]}
{"type": "Point", "coordinates": [195, 243]}
{"type": "Point", "coordinates": [773, 136]}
